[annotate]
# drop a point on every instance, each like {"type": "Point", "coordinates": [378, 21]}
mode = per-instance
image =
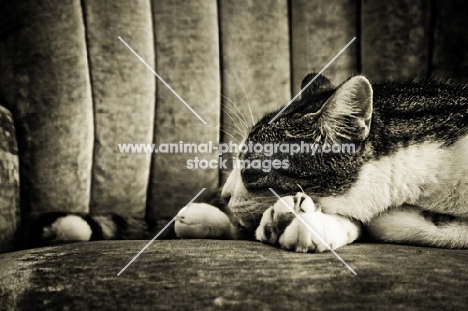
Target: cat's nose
{"type": "Point", "coordinates": [252, 175]}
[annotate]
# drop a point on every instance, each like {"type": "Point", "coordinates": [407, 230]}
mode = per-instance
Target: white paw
{"type": "Point", "coordinates": [301, 237]}
{"type": "Point", "coordinates": [310, 231]}
{"type": "Point", "coordinates": [278, 217]}
{"type": "Point", "coordinates": [67, 229]}
{"type": "Point", "coordinates": [203, 221]}
{"type": "Point", "coordinates": [318, 232]}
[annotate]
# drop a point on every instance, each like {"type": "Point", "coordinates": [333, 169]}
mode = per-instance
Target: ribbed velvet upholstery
{"type": "Point", "coordinates": [72, 91]}
{"type": "Point", "coordinates": [123, 102]}
{"type": "Point", "coordinates": [45, 81]}
{"type": "Point", "coordinates": [187, 57]}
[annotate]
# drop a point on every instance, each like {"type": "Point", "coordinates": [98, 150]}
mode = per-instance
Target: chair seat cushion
{"type": "Point", "coordinates": [226, 275]}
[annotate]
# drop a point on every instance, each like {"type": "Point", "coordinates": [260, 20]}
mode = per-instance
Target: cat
{"type": "Point", "coordinates": [405, 181]}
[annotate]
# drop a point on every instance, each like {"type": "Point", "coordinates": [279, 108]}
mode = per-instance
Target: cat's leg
{"type": "Point", "coordinates": [412, 225]}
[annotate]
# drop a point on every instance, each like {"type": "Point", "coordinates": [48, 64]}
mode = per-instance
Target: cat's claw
{"type": "Point", "coordinates": [301, 249]}
{"type": "Point", "coordinates": [300, 238]}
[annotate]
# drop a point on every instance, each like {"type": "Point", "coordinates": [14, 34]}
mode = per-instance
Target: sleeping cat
{"type": "Point", "coordinates": [406, 180]}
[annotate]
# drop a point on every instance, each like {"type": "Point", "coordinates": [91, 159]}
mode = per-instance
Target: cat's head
{"type": "Point", "coordinates": [333, 121]}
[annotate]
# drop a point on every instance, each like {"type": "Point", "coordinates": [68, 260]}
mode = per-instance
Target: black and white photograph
{"type": "Point", "coordinates": [233, 155]}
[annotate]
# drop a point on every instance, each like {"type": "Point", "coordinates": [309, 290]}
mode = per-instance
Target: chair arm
{"type": "Point", "coordinates": [9, 183]}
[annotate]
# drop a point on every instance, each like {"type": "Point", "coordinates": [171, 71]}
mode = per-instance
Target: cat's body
{"type": "Point", "coordinates": [406, 181]}
{"type": "Point", "coordinates": [409, 165]}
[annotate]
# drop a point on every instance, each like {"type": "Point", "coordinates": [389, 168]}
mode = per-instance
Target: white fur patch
{"type": "Point", "coordinates": [203, 221]}
{"type": "Point", "coordinates": [408, 225]}
{"type": "Point", "coordinates": [424, 175]}
{"type": "Point", "coordinates": [68, 228]}
{"type": "Point", "coordinates": [334, 230]}
{"type": "Point", "coordinates": [235, 187]}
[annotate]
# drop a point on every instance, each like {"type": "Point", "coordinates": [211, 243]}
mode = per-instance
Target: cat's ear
{"type": "Point", "coordinates": [320, 84]}
{"type": "Point", "coordinates": [347, 113]}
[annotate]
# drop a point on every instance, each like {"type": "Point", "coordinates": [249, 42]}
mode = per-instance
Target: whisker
{"type": "Point", "coordinates": [243, 122]}
{"type": "Point", "coordinates": [235, 127]}
{"type": "Point", "coordinates": [242, 115]}
{"type": "Point", "coordinates": [227, 133]}
{"type": "Point", "coordinates": [235, 106]}
{"type": "Point", "coordinates": [300, 188]}
{"type": "Point", "coordinates": [247, 98]}
{"type": "Point", "coordinates": [230, 127]}
{"type": "Point", "coordinates": [241, 130]}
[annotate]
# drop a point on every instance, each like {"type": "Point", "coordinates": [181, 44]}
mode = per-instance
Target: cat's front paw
{"type": "Point", "coordinates": [318, 232]}
{"type": "Point", "coordinates": [299, 235]}
{"type": "Point", "coordinates": [309, 231]}
{"type": "Point", "coordinates": [278, 217]}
